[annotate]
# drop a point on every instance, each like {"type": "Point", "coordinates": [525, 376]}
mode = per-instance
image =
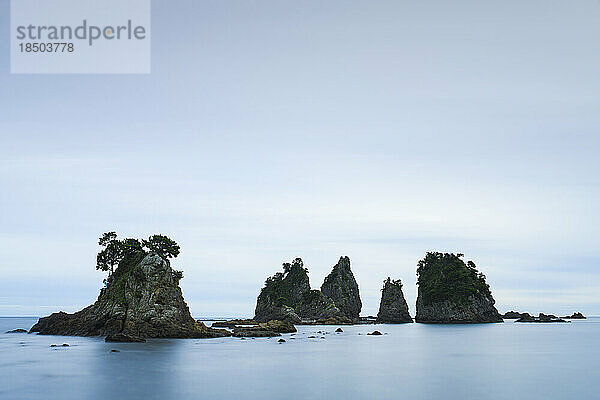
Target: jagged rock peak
{"type": "Point", "coordinates": [452, 291]}
{"type": "Point", "coordinates": [341, 287]}
{"type": "Point", "coordinates": [142, 298]}
{"type": "Point", "coordinates": [393, 308]}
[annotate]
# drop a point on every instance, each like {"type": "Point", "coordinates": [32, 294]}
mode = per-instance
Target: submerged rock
{"type": "Point", "coordinates": [270, 326]}
{"type": "Point", "coordinates": [142, 299]}
{"type": "Point", "coordinates": [451, 291]}
{"type": "Point", "coordinates": [341, 287]}
{"type": "Point", "coordinates": [367, 320]}
{"type": "Point", "coordinates": [329, 321]}
{"type": "Point", "coordinates": [393, 308]}
{"type": "Point", "coordinates": [256, 333]}
{"type": "Point", "coordinates": [233, 323]}
{"type": "Point", "coordinates": [17, 331]}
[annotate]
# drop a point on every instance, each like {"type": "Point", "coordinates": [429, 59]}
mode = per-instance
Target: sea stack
{"type": "Point", "coordinates": [287, 296]}
{"type": "Point", "coordinates": [393, 308]}
{"type": "Point", "coordinates": [142, 299]}
{"type": "Point", "coordinates": [282, 293]}
{"type": "Point", "coordinates": [341, 287]}
{"type": "Point", "coordinates": [451, 291]}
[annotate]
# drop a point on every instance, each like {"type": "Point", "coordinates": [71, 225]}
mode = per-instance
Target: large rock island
{"type": "Point", "coordinates": [287, 296]}
{"type": "Point", "coordinates": [451, 291]}
{"type": "Point", "coordinates": [393, 308]}
{"type": "Point", "coordinates": [141, 299]}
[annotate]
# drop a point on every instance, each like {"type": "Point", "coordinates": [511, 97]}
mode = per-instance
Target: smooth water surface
{"type": "Point", "coordinates": [411, 361]}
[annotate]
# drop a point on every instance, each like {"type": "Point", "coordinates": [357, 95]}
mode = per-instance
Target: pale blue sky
{"type": "Point", "coordinates": [271, 130]}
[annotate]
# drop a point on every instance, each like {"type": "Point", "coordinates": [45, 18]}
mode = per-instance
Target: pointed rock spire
{"type": "Point", "coordinates": [341, 287]}
{"type": "Point", "coordinates": [393, 308]}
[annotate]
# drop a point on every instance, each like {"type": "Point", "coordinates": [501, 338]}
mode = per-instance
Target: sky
{"type": "Point", "coordinates": [273, 130]}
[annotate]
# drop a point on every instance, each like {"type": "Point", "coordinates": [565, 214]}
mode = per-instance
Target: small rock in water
{"type": "Point", "coordinates": [115, 351]}
{"type": "Point", "coordinates": [17, 331]}
{"type": "Point", "coordinates": [65, 345]}
{"type": "Point", "coordinates": [322, 337]}
{"type": "Point", "coordinates": [374, 333]}
{"type": "Point", "coordinates": [53, 345]}
{"type": "Point", "coordinates": [312, 337]}
{"type": "Point", "coordinates": [281, 340]}
{"type": "Point", "coordinates": [338, 330]}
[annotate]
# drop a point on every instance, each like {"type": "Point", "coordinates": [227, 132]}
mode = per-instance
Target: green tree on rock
{"type": "Point", "coordinates": [114, 251]}
{"type": "Point", "coordinates": [111, 254]}
{"type": "Point", "coordinates": [162, 245]}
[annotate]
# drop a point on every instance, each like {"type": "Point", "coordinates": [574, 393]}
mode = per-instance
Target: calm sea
{"type": "Point", "coordinates": [413, 361]}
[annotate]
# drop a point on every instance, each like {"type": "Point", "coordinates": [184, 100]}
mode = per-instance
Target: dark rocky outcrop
{"type": "Point", "coordinates": [141, 299]}
{"type": "Point", "coordinates": [233, 323]}
{"type": "Point", "coordinates": [341, 287]}
{"type": "Point", "coordinates": [393, 308]}
{"type": "Point", "coordinates": [329, 321]}
{"type": "Point", "coordinates": [514, 315]}
{"type": "Point", "coordinates": [272, 326]}
{"type": "Point", "coordinates": [374, 333]}
{"type": "Point", "coordinates": [576, 315]}
{"type": "Point", "coordinates": [314, 305]}
{"type": "Point", "coordinates": [255, 333]}
{"type": "Point", "coordinates": [17, 331]}
{"type": "Point", "coordinates": [451, 291]}
{"type": "Point", "coordinates": [287, 296]}
{"type": "Point", "coordinates": [544, 318]}
{"type": "Point", "coordinates": [368, 320]}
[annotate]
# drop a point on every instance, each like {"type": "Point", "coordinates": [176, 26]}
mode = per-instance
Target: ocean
{"type": "Point", "coordinates": [411, 361]}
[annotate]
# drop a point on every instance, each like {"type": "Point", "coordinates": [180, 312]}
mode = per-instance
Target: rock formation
{"type": "Point", "coordinates": [142, 299]}
{"type": "Point", "coordinates": [282, 292]}
{"type": "Point", "coordinates": [264, 329]}
{"type": "Point", "coordinates": [341, 287]}
{"type": "Point", "coordinates": [525, 317]}
{"type": "Point", "coordinates": [576, 315]}
{"type": "Point", "coordinates": [393, 308]}
{"type": "Point", "coordinates": [314, 305]}
{"type": "Point", "coordinates": [451, 291]}
{"type": "Point", "coordinates": [287, 296]}
{"type": "Point", "coordinates": [514, 315]}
